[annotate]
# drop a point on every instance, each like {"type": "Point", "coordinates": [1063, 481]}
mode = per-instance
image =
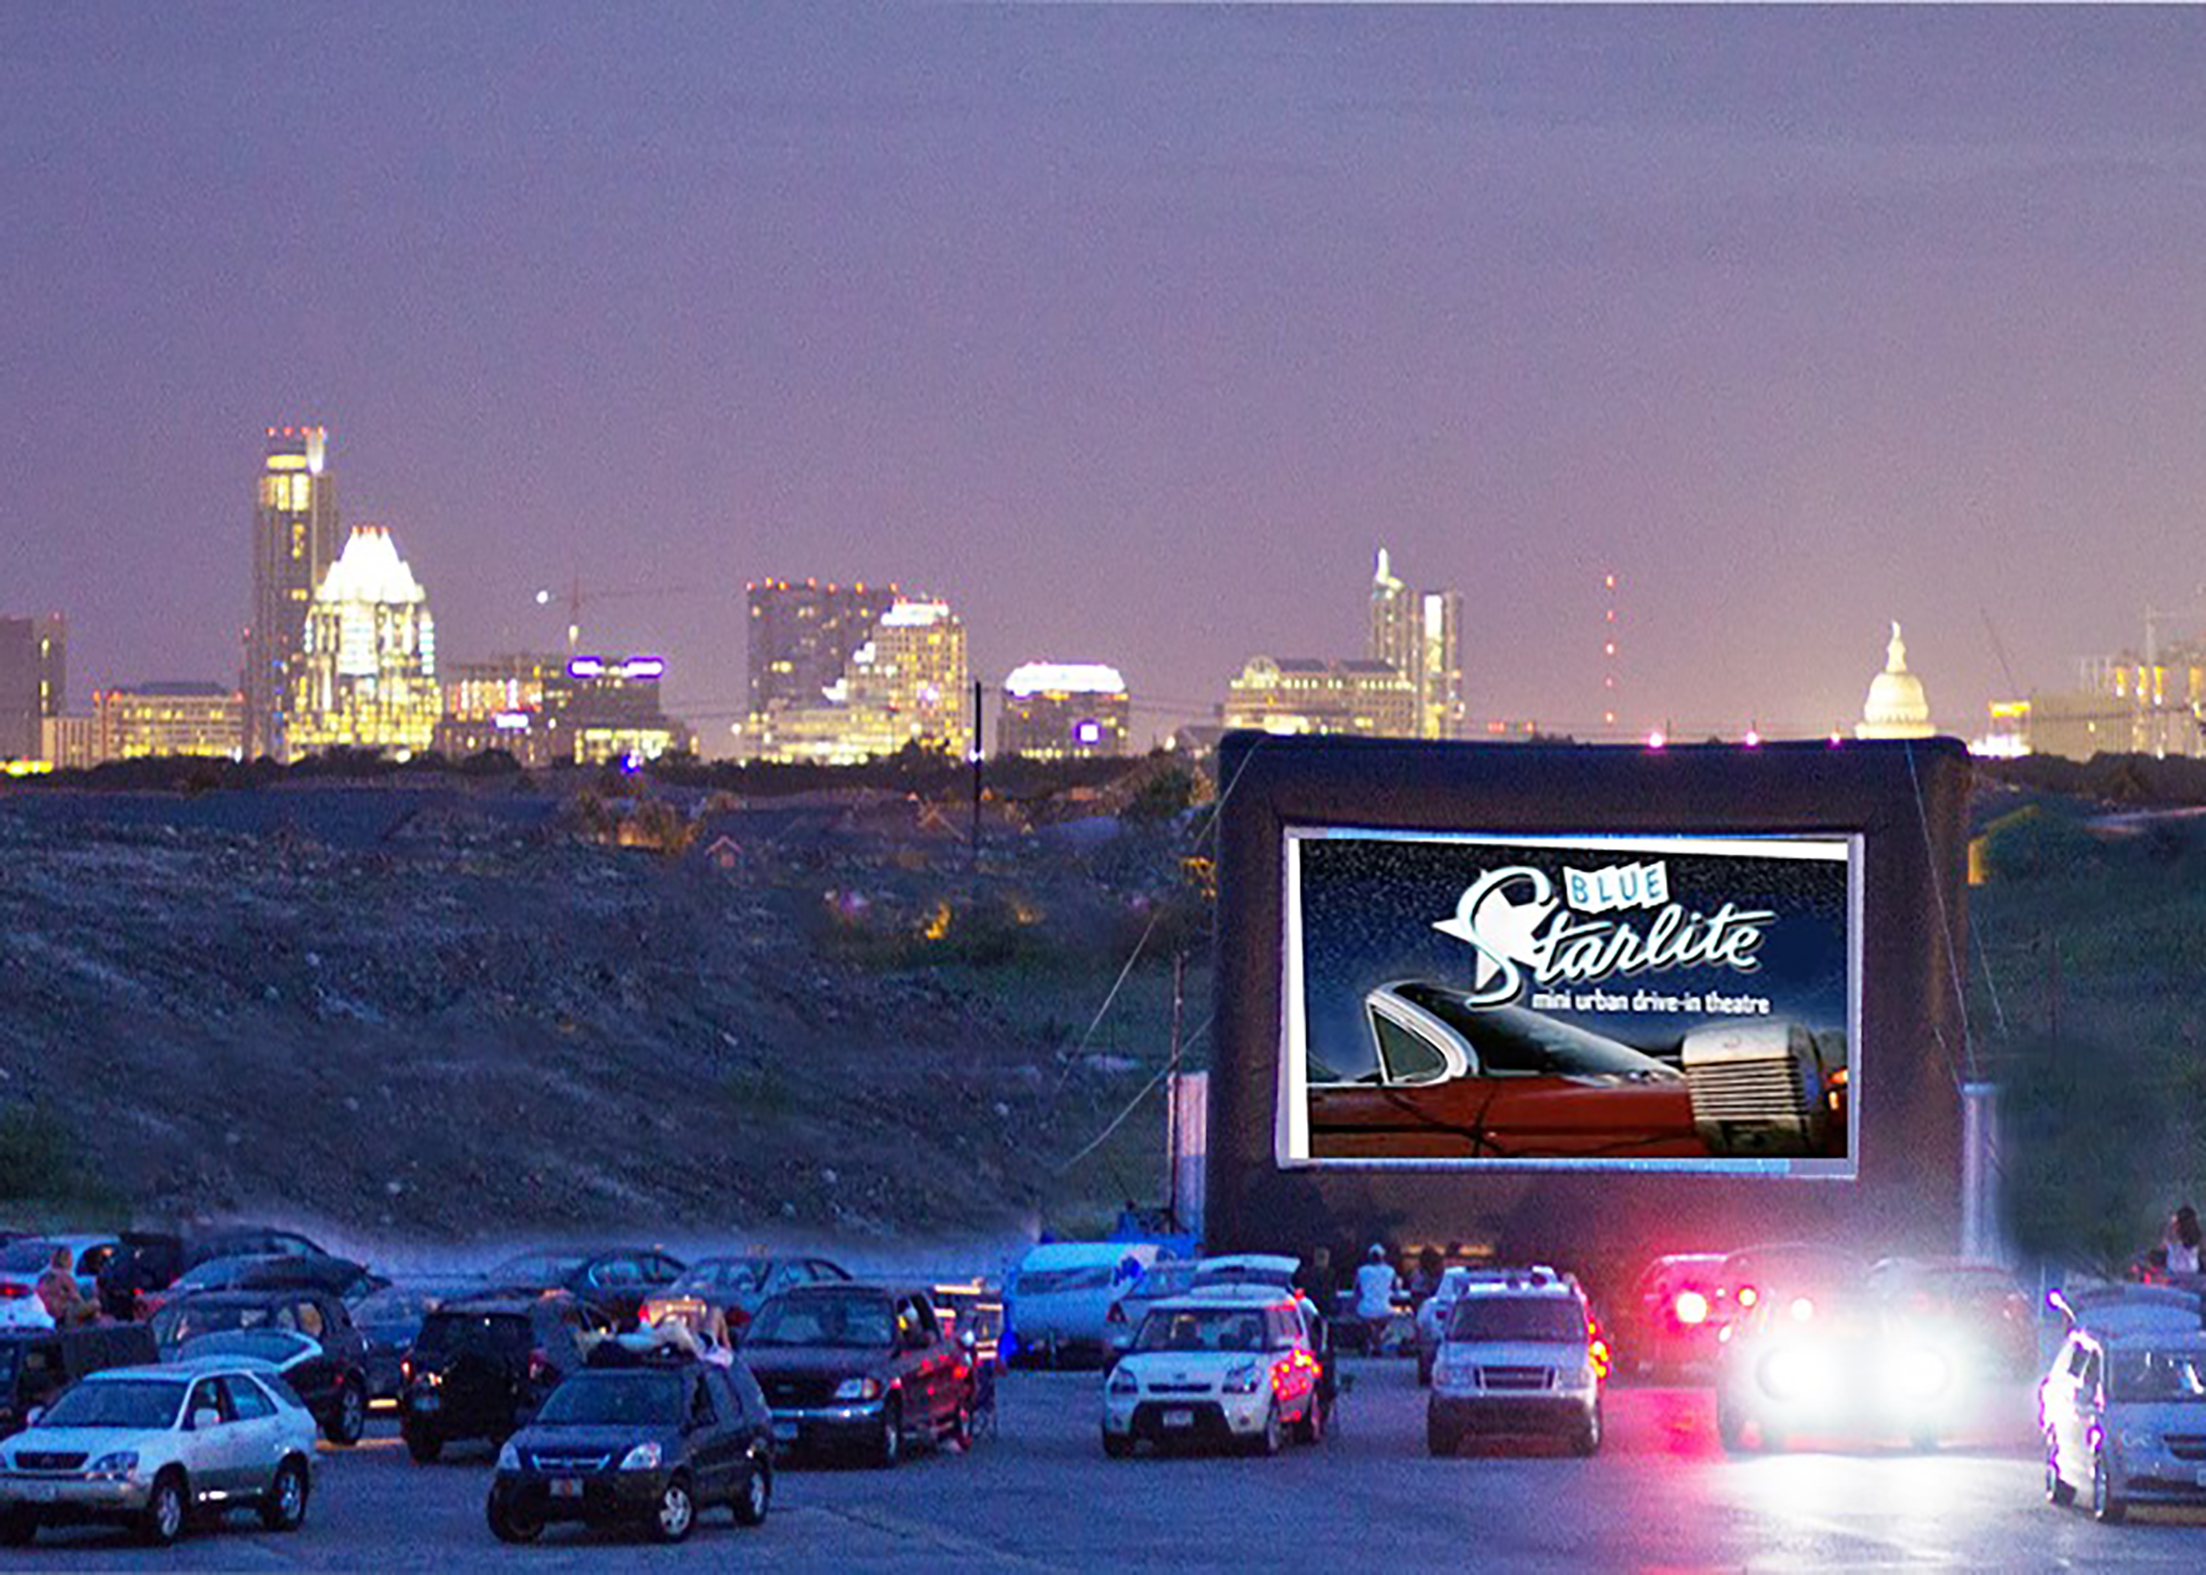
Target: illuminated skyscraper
{"type": "Point", "coordinates": [904, 684]}
{"type": "Point", "coordinates": [1063, 710]}
{"type": "Point", "coordinates": [802, 637]}
{"type": "Point", "coordinates": [34, 673]}
{"type": "Point", "coordinates": [1420, 637]}
{"type": "Point", "coordinates": [366, 675]}
{"type": "Point", "coordinates": [295, 541]}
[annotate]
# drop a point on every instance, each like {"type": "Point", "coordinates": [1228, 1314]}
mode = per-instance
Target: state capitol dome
{"type": "Point", "coordinates": [1897, 706]}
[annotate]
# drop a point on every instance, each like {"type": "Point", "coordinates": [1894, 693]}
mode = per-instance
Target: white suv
{"type": "Point", "coordinates": [1227, 1366]}
{"type": "Point", "coordinates": [149, 1446]}
{"type": "Point", "coordinates": [1517, 1355]}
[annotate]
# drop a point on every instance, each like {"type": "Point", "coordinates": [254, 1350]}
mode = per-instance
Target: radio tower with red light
{"type": "Point", "coordinates": [1609, 633]}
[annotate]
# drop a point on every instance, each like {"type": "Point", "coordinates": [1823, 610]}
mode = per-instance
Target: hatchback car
{"type": "Point", "coordinates": [1671, 1317]}
{"type": "Point", "coordinates": [1228, 1367]}
{"type": "Point", "coordinates": [1519, 1356]}
{"type": "Point", "coordinates": [151, 1447]}
{"type": "Point", "coordinates": [2123, 1408]}
{"type": "Point", "coordinates": [640, 1438]}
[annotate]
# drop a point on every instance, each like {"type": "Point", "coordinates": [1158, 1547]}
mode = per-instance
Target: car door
{"type": "Point", "coordinates": [259, 1440]}
{"type": "Point", "coordinates": [214, 1455]}
{"type": "Point", "coordinates": [2072, 1423]}
{"type": "Point", "coordinates": [711, 1453]}
{"type": "Point", "coordinates": [929, 1362]}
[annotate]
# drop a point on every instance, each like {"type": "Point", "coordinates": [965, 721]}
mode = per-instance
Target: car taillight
{"type": "Point", "coordinates": [13, 1292]}
{"type": "Point", "coordinates": [1117, 1314]}
{"type": "Point", "coordinates": [1691, 1308]}
{"type": "Point", "coordinates": [541, 1370]}
{"type": "Point", "coordinates": [738, 1317]}
{"type": "Point", "coordinates": [1748, 1296]}
{"type": "Point", "coordinates": [405, 1369]}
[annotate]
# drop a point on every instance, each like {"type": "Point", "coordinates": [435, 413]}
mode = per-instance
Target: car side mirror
{"type": "Point", "coordinates": [205, 1417]}
{"type": "Point", "coordinates": [32, 1416]}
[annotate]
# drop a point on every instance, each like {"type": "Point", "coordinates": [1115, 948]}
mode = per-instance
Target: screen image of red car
{"type": "Point", "coordinates": [1453, 1080]}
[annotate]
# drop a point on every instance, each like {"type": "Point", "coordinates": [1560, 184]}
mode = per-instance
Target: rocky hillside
{"type": "Point", "coordinates": [468, 1010]}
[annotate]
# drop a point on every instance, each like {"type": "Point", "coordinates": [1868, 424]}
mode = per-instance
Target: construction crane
{"type": "Point", "coordinates": [578, 596]}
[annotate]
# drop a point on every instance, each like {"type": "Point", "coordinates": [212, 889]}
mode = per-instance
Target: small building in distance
{"type": "Point", "coordinates": [367, 668]}
{"type": "Point", "coordinates": [33, 682]}
{"type": "Point", "coordinates": [1896, 707]}
{"type": "Point", "coordinates": [1291, 694]}
{"type": "Point", "coordinates": [1064, 710]}
{"type": "Point", "coordinates": [159, 719]}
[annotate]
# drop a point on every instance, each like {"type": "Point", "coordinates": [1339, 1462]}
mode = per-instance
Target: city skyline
{"type": "Point", "coordinates": [1799, 322]}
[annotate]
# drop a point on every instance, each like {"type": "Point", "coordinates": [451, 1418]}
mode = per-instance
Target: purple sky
{"type": "Point", "coordinates": [1130, 331]}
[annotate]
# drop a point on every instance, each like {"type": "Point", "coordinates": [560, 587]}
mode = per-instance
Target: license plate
{"type": "Point", "coordinates": [427, 1403]}
{"type": "Point", "coordinates": [566, 1487]}
{"type": "Point", "coordinates": [785, 1430]}
{"type": "Point", "coordinates": [45, 1492]}
{"type": "Point", "coordinates": [1179, 1419]}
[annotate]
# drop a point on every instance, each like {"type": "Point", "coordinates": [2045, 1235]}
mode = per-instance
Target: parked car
{"type": "Point", "coordinates": [197, 1247]}
{"type": "Point", "coordinates": [343, 1278]}
{"type": "Point", "coordinates": [859, 1367]}
{"type": "Point", "coordinates": [971, 1313]}
{"type": "Point", "coordinates": [482, 1365]}
{"type": "Point", "coordinates": [1057, 1301]}
{"type": "Point", "coordinates": [616, 1280]}
{"type": "Point", "coordinates": [1671, 1317]}
{"type": "Point", "coordinates": [37, 1364]}
{"type": "Point", "coordinates": [24, 1260]}
{"type": "Point", "coordinates": [1752, 1274]}
{"type": "Point", "coordinates": [2123, 1407]}
{"type": "Point", "coordinates": [1833, 1361]}
{"type": "Point", "coordinates": [1160, 1281]}
{"type": "Point", "coordinates": [153, 1447]}
{"type": "Point", "coordinates": [639, 1437]}
{"type": "Point", "coordinates": [733, 1289]}
{"type": "Point", "coordinates": [1978, 1308]}
{"type": "Point", "coordinates": [1520, 1355]}
{"type": "Point", "coordinates": [389, 1321]}
{"type": "Point", "coordinates": [333, 1388]}
{"type": "Point", "coordinates": [1231, 1366]}
{"type": "Point", "coordinates": [334, 1385]}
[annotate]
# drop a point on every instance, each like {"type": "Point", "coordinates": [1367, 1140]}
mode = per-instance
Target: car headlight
{"type": "Point", "coordinates": [1123, 1383]}
{"type": "Point", "coordinates": [1791, 1373]}
{"type": "Point", "coordinates": [1244, 1380]}
{"type": "Point", "coordinates": [1921, 1373]}
{"type": "Point", "coordinates": [858, 1389]}
{"type": "Point", "coordinates": [509, 1458]}
{"type": "Point", "coordinates": [121, 1463]}
{"type": "Point", "coordinates": [644, 1457]}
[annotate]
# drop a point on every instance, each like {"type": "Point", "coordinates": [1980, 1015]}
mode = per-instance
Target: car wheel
{"type": "Point", "coordinates": [1268, 1441]}
{"type": "Point", "coordinates": [1440, 1441]}
{"type": "Point", "coordinates": [1117, 1446]}
{"type": "Point", "coordinates": [284, 1505]}
{"type": "Point", "coordinates": [888, 1447]}
{"type": "Point", "coordinates": [757, 1495]}
{"type": "Point", "coordinates": [676, 1511]}
{"type": "Point", "coordinates": [350, 1419]}
{"type": "Point", "coordinates": [18, 1528]}
{"type": "Point", "coordinates": [2106, 1504]}
{"type": "Point", "coordinates": [509, 1522]}
{"type": "Point", "coordinates": [1311, 1429]}
{"type": "Point", "coordinates": [2057, 1488]}
{"type": "Point", "coordinates": [166, 1509]}
{"type": "Point", "coordinates": [1587, 1440]}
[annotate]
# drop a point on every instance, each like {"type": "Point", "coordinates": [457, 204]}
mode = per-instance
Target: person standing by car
{"type": "Point", "coordinates": [61, 1296]}
{"type": "Point", "coordinates": [1376, 1287]}
{"type": "Point", "coordinates": [2182, 1241]}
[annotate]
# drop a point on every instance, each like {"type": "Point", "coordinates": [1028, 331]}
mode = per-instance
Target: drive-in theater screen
{"type": "Point", "coordinates": [1461, 998]}
{"type": "Point", "coordinates": [1561, 1000]}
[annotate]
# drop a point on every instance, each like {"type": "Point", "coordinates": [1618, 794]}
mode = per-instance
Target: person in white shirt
{"type": "Point", "coordinates": [1376, 1287]}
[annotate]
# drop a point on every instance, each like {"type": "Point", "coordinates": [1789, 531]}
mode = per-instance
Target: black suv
{"type": "Point", "coordinates": [37, 1364]}
{"type": "Point", "coordinates": [638, 1438]}
{"type": "Point", "coordinates": [482, 1365]}
{"type": "Point", "coordinates": [334, 1384]}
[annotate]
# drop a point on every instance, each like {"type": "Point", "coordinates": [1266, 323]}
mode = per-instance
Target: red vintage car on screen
{"type": "Point", "coordinates": [1453, 1080]}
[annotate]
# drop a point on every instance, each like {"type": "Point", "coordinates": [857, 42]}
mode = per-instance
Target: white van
{"type": "Point", "coordinates": [1057, 1301]}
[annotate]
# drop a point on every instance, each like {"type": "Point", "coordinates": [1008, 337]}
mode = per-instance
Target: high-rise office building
{"type": "Point", "coordinates": [169, 719]}
{"type": "Point", "coordinates": [34, 671]}
{"type": "Point", "coordinates": [905, 684]}
{"type": "Point", "coordinates": [1419, 635]}
{"type": "Point", "coordinates": [1063, 710]}
{"type": "Point", "coordinates": [296, 540]}
{"type": "Point", "coordinates": [366, 673]}
{"type": "Point", "coordinates": [802, 637]}
{"type": "Point", "coordinates": [1290, 694]}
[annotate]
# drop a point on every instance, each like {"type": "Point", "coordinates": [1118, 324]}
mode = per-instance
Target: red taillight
{"type": "Point", "coordinates": [13, 1292]}
{"type": "Point", "coordinates": [1691, 1308]}
{"type": "Point", "coordinates": [1748, 1296]}
{"type": "Point", "coordinates": [541, 1370]}
{"type": "Point", "coordinates": [406, 1369]}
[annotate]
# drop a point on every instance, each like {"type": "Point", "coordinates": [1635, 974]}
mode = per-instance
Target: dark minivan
{"type": "Point", "coordinates": [37, 1364]}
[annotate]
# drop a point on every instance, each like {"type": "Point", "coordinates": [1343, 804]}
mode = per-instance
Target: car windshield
{"type": "Point", "coordinates": [2158, 1376]}
{"type": "Point", "coordinates": [537, 1268]}
{"type": "Point", "coordinates": [615, 1399]}
{"type": "Point", "coordinates": [182, 1321]}
{"type": "Point", "coordinates": [733, 1274]}
{"type": "Point", "coordinates": [855, 1322]}
{"type": "Point", "coordinates": [118, 1402]}
{"type": "Point", "coordinates": [1541, 1318]}
{"type": "Point", "coordinates": [443, 1333]}
{"type": "Point", "coordinates": [268, 1345]}
{"type": "Point", "coordinates": [1202, 1329]}
{"type": "Point", "coordinates": [23, 1256]}
{"type": "Point", "coordinates": [1514, 1039]}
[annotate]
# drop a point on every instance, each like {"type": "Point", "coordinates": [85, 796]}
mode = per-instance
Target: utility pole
{"type": "Point", "coordinates": [1172, 1101]}
{"type": "Point", "coordinates": [978, 755]}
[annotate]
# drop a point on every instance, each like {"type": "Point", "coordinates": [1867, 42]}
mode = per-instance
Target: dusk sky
{"type": "Point", "coordinates": [1130, 331]}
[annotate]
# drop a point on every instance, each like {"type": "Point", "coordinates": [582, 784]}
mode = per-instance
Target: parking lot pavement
{"type": "Point", "coordinates": [1039, 1495]}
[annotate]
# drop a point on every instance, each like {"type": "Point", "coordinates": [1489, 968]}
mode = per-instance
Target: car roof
{"type": "Point", "coordinates": [248, 1295]}
{"type": "Point", "coordinates": [1088, 1254]}
{"type": "Point", "coordinates": [1226, 1298]}
{"type": "Point", "coordinates": [849, 1287]}
{"type": "Point", "coordinates": [517, 1302]}
{"type": "Point", "coordinates": [1268, 1262]}
{"type": "Point", "coordinates": [189, 1367]}
{"type": "Point", "coordinates": [1543, 1288]}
